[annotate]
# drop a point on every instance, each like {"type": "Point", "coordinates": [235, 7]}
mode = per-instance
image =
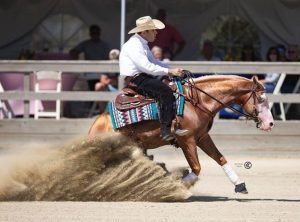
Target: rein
{"type": "Point", "coordinates": [189, 80]}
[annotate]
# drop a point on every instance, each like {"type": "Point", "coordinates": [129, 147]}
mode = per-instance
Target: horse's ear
{"type": "Point", "coordinates": [254, 79]}
{"type": "Point", "coordinates": [259, 84]}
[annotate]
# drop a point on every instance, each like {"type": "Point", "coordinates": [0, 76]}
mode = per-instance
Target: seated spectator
{"type": "Point", "coordinates": [291, 80]}
{"type": "Point", "coordinates": [168, 38]}
{"type": "Point", "coordinates": [293, 53]}
{"type": "Point", "coordinates": [271, 79]}
{"type": "Point", "coordinates": [114, 54]}
{"type": "Point", "coordinates": [229, 55]}
{"type": "Point", "coordinates": [92, 49]}
{"type": "Point", "coordinates": [249, 55]}
{"type": "Point", "coordinates": [281, 49]}
{"type": "Point", "coordinates": [157, 53]}
{"type": "Point", "coordinates": [104, 84]}
{"type": "Point", "coordinates": [208, 52]}
{"type": "Point", "coordinates": [26, 54]}
{"type": "Point", "coordinates": [162, 55]}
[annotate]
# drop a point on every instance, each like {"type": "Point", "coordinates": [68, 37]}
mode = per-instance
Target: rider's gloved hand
{"type": "Point", "coordinates": [176, 72]}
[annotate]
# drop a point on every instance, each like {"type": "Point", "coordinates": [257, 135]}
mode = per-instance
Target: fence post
{"type": "Point", "coordinates": [26, 91]}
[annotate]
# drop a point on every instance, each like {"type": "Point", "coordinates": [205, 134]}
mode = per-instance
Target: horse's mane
{"type": "Point", "coordinates": [214, 78]}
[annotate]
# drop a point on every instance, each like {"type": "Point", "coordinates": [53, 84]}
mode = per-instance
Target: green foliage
{"type": "Point", "coordinates": [229, 34]}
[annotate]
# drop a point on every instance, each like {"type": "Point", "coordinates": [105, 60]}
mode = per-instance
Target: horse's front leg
{"type": "Point", "coordinates": [189, 149]}
{"type": "Point", "coordinates": [208, 146]}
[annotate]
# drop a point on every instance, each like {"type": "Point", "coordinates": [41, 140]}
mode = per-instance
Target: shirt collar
{"type": "Point", "coordinates": [144, 41]}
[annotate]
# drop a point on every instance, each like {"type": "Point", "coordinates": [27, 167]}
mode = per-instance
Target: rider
{"type": "Point", "coordinates": [138, 63]}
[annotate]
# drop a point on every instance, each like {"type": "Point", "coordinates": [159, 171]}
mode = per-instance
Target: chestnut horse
{"type": "Point", "coordinates": [204, 97]}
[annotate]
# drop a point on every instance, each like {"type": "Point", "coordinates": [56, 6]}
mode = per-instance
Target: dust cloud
{"type": "Point", "coordinates": [106, 168]}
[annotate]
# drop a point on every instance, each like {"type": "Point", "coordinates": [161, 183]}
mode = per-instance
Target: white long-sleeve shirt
{"type": "Point", "coordinates": [272, 77]}
{"type": "Point", "coordinates": [136, 57]}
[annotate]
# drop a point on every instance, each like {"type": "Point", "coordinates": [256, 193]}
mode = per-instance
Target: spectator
{"type": "Point", "coordinates": [114, 56]}
{"type": "Point", "coordinates": [161, 55]}
{"type": "Point", "coordinates": [207, 52]}
{"type": "Point", "coordinates": [271, 78]}
{"type": "Point", "coordinates": [229, 55]}
{"type": "Point", "coordinates": [291, 80]}
{"type": "Point", "coordinates": [281, 53]}
{"type": "Point", "coordinates": [157, 53]}
{"type": "Point", "coordinates": [92, 49]}
{"type": "Point", "coordinates": [26, 54]}
{"type": "Point", "coordinates": [168, 39]}
{"type": "Point", "coordinates": [249, 54]}
{"type": "Point", "coordinates": [104, 84]}
{"type": "Point", "coordinates": [293, 53]}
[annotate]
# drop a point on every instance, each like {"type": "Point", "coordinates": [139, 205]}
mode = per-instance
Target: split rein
{"type": "Point", "coordinates": [254, 116]}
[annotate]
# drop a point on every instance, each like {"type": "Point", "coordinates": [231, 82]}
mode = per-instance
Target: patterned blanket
{"type": "Point", "coordinates": [148, 112]}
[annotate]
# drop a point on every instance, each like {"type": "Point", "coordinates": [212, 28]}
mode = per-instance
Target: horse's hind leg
{"type": "Point", "coordinates": [208, 146]}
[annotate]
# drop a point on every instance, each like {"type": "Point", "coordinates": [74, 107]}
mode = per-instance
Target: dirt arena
{"type": "Point", "coordinates": [273, 183]}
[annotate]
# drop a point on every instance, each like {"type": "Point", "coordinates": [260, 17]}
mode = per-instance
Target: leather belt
{"type": "Point", "coordinates": [129, 79]}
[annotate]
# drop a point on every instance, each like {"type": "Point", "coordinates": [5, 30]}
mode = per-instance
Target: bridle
{"type": "Point", "coordinates": [255, 89]}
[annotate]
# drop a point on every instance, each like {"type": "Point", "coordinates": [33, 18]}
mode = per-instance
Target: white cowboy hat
{"type": "Point", "coordinates": [146, 23]}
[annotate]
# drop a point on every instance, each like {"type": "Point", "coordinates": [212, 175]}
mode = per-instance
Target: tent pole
{"type": "Point", "coordinates": [122, 37]}
{"type": "Point", "coordinates": [123, 18]}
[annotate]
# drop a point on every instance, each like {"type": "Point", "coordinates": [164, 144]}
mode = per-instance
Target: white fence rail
{"type": "Point", "coordinates": [112, 66]}
{"type": "Point", "coordinates": [27, 67]}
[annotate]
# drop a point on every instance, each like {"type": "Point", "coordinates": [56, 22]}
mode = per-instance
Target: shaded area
{"type": "Point", "coordinates": [224, 199]}
{"type": "Point", "coordinates": [106, 168]}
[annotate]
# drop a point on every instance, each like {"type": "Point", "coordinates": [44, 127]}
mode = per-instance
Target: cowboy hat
{"type": "Point", "coordinates": [146, 23]}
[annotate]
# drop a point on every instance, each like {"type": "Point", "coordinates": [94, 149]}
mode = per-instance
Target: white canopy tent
{"type": "Point", "coordinates": [276, 21]}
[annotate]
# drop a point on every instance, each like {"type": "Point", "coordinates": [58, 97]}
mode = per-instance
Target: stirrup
{"type": "Point", "coordinates": [168, 137]}
{"type": "Point", "coordinates": [181, 132]}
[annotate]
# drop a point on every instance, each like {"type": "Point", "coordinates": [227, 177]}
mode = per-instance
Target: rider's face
{"type": "Point", "coordinates": [149, 35]}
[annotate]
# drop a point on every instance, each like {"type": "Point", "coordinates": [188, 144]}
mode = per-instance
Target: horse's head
{"type": "Point", "coordinates": [256, 104]}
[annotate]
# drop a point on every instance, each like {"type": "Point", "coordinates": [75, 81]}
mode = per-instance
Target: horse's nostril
{"type": "Point", "coordinates": [271, 124]}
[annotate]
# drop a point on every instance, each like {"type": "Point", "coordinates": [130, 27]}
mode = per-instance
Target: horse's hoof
{"type": "Point", "coordinates": [241, 188]}
{"type": "Point", "coordinates": [190, 179]}
{"type": "Point", "coordinates": [185, 172]}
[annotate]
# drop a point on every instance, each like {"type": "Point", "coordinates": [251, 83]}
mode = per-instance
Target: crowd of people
{"type": "Point", "coordinates": [168, 44]}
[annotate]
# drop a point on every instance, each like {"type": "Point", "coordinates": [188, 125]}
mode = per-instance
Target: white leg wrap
{"type": "Point", "coordinates": [231, 174]}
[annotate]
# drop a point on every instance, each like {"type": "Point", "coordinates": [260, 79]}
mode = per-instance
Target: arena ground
{"type": "Point", "coordinates": [273, 183]}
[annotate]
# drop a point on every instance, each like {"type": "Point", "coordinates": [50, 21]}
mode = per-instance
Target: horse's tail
{"type": "Point", "coordinates": [101, 124]}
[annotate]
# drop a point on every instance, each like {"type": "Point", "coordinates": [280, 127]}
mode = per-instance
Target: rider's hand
{"type": "Point", "coordinates": [176, 72]}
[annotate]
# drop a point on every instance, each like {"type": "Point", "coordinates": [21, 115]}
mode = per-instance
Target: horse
{"type": "Point", "coordinates": [204, 98]}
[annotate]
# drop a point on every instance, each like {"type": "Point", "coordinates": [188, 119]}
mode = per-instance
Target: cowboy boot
{"type": "Point", "coordinates": [166, 134]}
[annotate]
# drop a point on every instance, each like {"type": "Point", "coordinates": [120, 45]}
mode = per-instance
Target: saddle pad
{"type": "Point", "coordinates": [123, 118]}
{"type": "Point", "coordinates": [147, 112]}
